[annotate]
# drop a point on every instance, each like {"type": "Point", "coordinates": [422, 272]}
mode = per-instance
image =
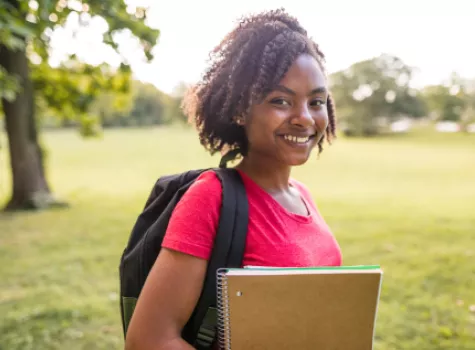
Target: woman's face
{"type": "Point", "coordinates": [287, 125]}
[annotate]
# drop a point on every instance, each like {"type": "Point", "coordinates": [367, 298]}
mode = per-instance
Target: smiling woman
{"type": "Point", "coordinates": [292, 114]}
{"type": "Point", "coordinates": [250, 63]}
{"type": "Point", "coordinates": [264, 97]}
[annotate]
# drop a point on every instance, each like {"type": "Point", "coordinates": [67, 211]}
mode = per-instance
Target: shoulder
{"type": "Point", "coordinates": [205, 192]}
{"type": "Point", "coordinates": [207, 182]}
{"type": "Point", "coordinates": [194, 221]}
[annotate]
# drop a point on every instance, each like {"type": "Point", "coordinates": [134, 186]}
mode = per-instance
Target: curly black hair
{"type": "Point", "coordinates": [244, 67]}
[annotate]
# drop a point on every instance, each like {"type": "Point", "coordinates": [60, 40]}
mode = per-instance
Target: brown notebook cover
{"type": "Point", "coordinates": [324, 309]}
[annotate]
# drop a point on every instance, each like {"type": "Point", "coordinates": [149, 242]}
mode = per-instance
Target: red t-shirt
{"type": "Point", "coordinates": [276, 237]}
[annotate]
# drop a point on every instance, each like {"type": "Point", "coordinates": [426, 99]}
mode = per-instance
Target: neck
{"type": "Point", "coordinates": [267, 174]}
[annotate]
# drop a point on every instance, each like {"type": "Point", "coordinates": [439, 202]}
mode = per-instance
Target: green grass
{"type": "Point", "coordinates": [406, 203]}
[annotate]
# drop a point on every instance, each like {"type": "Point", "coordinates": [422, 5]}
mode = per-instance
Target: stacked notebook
{"type": "Point", "coordinates": [327, 308]}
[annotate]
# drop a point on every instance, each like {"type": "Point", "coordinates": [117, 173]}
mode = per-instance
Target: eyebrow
{"type": "Point", "coordinates": [318, 90]}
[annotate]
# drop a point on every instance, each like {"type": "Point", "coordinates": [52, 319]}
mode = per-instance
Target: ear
{"type": "Point", "coordinates": [239, 120]}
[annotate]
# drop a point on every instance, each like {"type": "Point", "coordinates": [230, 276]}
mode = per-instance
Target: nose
{"type": "Point", "coordinates": [303, 117]}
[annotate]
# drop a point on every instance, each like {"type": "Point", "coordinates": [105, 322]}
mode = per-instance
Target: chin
{"type": "Point", "coordinates": [297, 161]}
{"type": "Point", "coordinates": [297, 157]}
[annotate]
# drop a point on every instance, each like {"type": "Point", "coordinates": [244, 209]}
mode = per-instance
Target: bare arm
{"type": "Point", "coordinates": [167, 300]}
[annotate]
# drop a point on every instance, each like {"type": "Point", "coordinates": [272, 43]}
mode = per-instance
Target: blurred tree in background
{"type": "Point", "coordinates": [372, 93]}
{"type": "Point", "coordinates": [453, 101]}
{"type": "Point", "coordinates": [143, 105]}
{"type": "Point", "coordinates": [174, 109]}
{"type": "Point", "coordinates": [29, 82]}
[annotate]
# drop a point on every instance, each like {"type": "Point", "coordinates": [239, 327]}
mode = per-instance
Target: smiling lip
{"type": "Point", "coordinates": [308, 133]}
{"type": "Point", "coordinates": [297, 140]}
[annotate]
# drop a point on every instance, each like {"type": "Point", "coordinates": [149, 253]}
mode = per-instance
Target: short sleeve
{"type": "Point", "coordinates": [194, 221]}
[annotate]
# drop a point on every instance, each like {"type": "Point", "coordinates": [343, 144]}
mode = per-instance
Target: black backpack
{"type": "Point", "coordinates": [145, 243]}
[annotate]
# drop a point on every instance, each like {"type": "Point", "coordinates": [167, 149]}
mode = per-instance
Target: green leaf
{"type": "Point", "coordinates": [13, 43]}
{"type": "Point", "coordinates": [71, 88]}
{"type": "Point", "coordinates": [20, 28]}
{"type": "Point", "coordinates": [9, 85]}
{"type": "Point", "coordinates": [45, 9]}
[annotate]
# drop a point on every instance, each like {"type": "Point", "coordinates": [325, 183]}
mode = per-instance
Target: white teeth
{"type": "Point", "coordinates": [296, 139]}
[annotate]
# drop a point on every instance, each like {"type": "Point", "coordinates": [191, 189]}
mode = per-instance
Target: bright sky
{"type": "Point", "coordinates": [432, 35]}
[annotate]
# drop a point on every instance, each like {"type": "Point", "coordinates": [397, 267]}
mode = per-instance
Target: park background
{"type": "Point", "coordinates": [91, 118]}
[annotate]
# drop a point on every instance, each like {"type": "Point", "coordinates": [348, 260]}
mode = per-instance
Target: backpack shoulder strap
{"type": "Point", "coordinates": [235, 254]}
{"type": "Point", "coordinates": [228, 251]}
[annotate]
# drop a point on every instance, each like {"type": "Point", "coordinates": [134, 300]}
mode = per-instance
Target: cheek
{"type": "Point", "coordinates": [252, 133]}
{"type": "Point", "coordinates": [263, 126]}
{"type": "Point", "coordinates": [255, 132]}
{"type": "Point", "coordinates": [321, 120]}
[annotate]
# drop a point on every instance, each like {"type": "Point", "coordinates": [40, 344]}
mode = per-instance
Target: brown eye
{"type": "Point", "coordinates": [317, 103]}
{"type": "Point", "coordinates": [279, 102]}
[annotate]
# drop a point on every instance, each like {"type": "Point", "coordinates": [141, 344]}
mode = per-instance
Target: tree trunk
{"type": "Point", "coordinates": [30, 188]}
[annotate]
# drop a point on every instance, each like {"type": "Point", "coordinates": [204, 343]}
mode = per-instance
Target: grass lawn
{"type": "Point", "coordinates": [406, 203]}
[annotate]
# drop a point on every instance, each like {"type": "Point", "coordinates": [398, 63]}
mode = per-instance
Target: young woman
{"type": "Point", "coordinates": [265, 94]}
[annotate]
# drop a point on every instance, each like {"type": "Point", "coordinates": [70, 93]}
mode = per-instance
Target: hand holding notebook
{"type": "Point", "coordinates": [327, 308]}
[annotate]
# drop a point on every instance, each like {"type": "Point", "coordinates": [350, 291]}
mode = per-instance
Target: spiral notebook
{"type": "Point", "coordinates": [328, 308]}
